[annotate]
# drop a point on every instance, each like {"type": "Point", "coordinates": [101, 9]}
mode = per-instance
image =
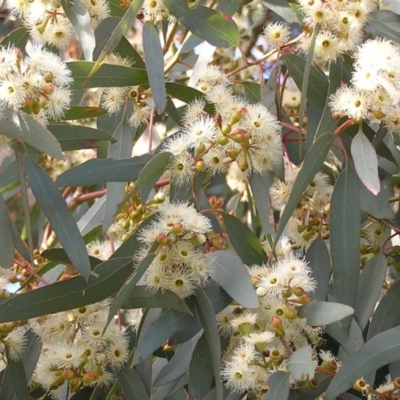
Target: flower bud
{"type": "Point", "coordinates": [226, 129]}
{"type": "Point", "coordinates": [237, 116]}
{"type": "Point", "coordinates": [245, 329]}
{"type": "Point", "coordinates": [162, 238]}
{"type": "Point", "coordinates": [276, 323]}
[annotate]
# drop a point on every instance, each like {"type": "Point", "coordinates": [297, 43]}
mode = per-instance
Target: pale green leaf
{"type": "Point", "coordinates": [301, 364]}
{"type": "Point", "coordinates": [319, 313]}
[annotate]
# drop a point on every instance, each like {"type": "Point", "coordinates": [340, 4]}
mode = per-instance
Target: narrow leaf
{"type": "Point", "coordinates": [385, 23]}
{"type": "Point", "coordinates": [82, 112]}
{"type": "Point", "coordinates": [97, 171]}
{"type": "Point", "coordinates": [6, 236]}
{"type": "Point", "coordinates": [155, 65]}
{"type": "Point", "coordinates": [80, 20]}
{"type": "Point", "coordinates": [59, 216]}
{"type": "Point", "coordinates": [383, 349]}
{"type": "Point", "coordinates": [279, 387]}
{"type": "Point", "coordinates": [19, 38]}
{"type": "Point", "coordinates": [209, 323]}
{"type": "Point", "coordinates": [106, 76]}
{"type": "Point", "coordinates": [387, 314]}
{"type": "Point", "coordinates": [244, 241]}
{"type": "Point", "coordinates": [117, 34]}
{"type": "Point", "coordinates": [369, 288]}
{"type": "Point", "coordinates": [366, 162]}
{"type": "Point", "coordinates": [311, 165]}
{"type": "Point", "coordinates": [128, 287]}
{"type": "Point", "coordinates": [345, 237]}
{"type": "Point", "coordinates": [283, 9]}
{"type": "Point", "coordinates": [215, 27]}
{"type": "Point", "coordinates": [15, 371]}
{"type": "Point", "coordinates": [319, 313]}
{"type": "Point", "coordinates": [21, 126]}
{"type": "Point", "coordinates": [229, 272]}
{"type": "Point", "coordinates": [66, 295]}
{"type": "Point", "coordinates": [131, 384]}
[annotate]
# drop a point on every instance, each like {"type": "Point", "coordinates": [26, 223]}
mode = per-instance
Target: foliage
{"type": "Point", "coordinates": [199, 199]}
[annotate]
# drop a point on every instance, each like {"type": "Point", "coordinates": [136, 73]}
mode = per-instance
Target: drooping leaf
{"type": "Point", "coordinates": [141, 297]}
{"type": "Point", "coordinates": [59, 216]}
{"type": "Point", "coordinates": [383, 349]}
{"type": "Point", "coordinates": [128, 287]}
{"type": "Point", "coordinates": [345, 228]}
{"type": "Point", "coordinates": [244, 241]}
{"type": "Point", "coordinates": [283, 9]}
{"type": "Point", "coordinates": [21, 126]}
{"type": "Point", "coordinates": [15, 382]}
{"type": "Point", "coordinates": [82, 112]}
{"type": "Point", "coordinates": [69, 294]}
{"type": "Point", "coordinates": [201, 370]}
{"type": "Point", "coordinates": [6, 236]}
{"type": "Point", "coordinates": [386, 315]}
{"type": "Point", "coordinates": [301, 364]}
{"type": "Point", "coordinates": [386, 23]}
{"type": "Point", "coordinates": [209, 323]}
{"type": "Point", "coordinates": [318, 84]}
{"type": "Point", "coordinates": [319, 313]}
{"type": "Point", "coordinates": [311, 165]}
{"type": "Point", "coordinates": [131, 384]}
{"type": "Point", "coordinates": [370, 287]}
{"type": "Point", "coordinates": [279, 387]}
{"type": "Point", "coordinates": [319, 261]}
{"type": "Point", "coordinates": [215, 27]}
{"type": "Point", "coordinates": [155, 65]}
{"type": "Point", "coordinates": [97, 171]}
{"type": "Point", "coordinates": [116, 35]}
{"type": "Point", "coordinates": [366, 162]}
{"type": "Point", "coordinates": [228, 271]}
{"type": "Point", "coordinates": [106, 76]}
{"type": "Point", "coordinates": [80, 20]}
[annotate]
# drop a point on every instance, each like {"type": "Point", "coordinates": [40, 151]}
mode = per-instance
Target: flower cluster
{"type": "Point", "coordinates": [38, 82]}
{"type": "Point", "coordinates": [340, 26]}
{"type": "Point", "coordinates": [114, 98]}
{"type": "Point", "coordinates": [179, 264]}
{"type": "Point", "coordinates": [48, 23]}
{"type": "Point", "coordinates": [375, 89]}
{"type": "Point", "coordinates": [76, 351]}
{"type": "Point", "coordinates": [262, 339]}
{"type": "Point", "coordinates": [247, 134]}
{"type": "Point", "coordinates": [310, 217]}
{"type": "Point", "coordinates": [154, 10]}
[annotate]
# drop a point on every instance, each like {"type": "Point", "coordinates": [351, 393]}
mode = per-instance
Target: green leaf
{"type": "Point", "coordinates": [82, 112]}
{"type": "Point", "coordinates": [244, 241]}
{"type": "Point", "coordinates": [106, 76]}
{"type": "Point", "coordinates": [283, 9]}
{"type": "Point", "coordinates": [15, 371]}
{"type": "Point", "coordinates": [215, 27]}
{"type": "Point", "coordinates": [262, 201]}
{"type": "Point", "coordinates": [318, 84]}
{"type": "Point", "coordinates": [154, 65]}
{"type": "Point", "coordinates": [131, 384]}
{"type": "Point", "coordinates": [383, 349]}
{"type": "Point", "coordinates": [187, 94]}
{"type": "Point", "coordinates": [75, 137]}
{"type": "Point", "coordinates": [61, 257]}
{"type": "Point", "coordinates": [69, 294]}
{"type": "Point", "coordinates": [80, 20]}
{"type": "Point", "coordinates": [319, 313]}
{"type": "Point", "coordinates": [228, 271]}
{"type": "Point", "coordinates": [201, 370]}
{"type": "Point", "coordinates": [141, 297]}
{"type": "Point", "coordinates": [369, 288]}
{"type": "Point", "coordinates": [366, 162]}
{"type": "Point", "coordinates": [385, 23]}
{"type": "Point", "coordinates": [116, 35]}
{"type": "Point", "coordinates": [128, 287]}
{"type": "Point", "coordinates": [252, 92]}
{"type": "Point", "coordinates": [278, 384]}
{"type": "Point", "coordinates": [387, 314]}
{"type": "Point", "coordinates": [21, 126]}
{"type": "Point", "coordinates": [209, 323]}
{"type": "Point", "coordinates": [312, 164]}
{"type": "Point", "coordinates": [6, 236]}
{"type": "Point", "coordinates": [319, 261]}
{"type": "Point", "coordinates": [301, 364]}
{"type": "Point", "coordinates": [345, 228]}
{"type": "Point", "coordinates": [59, 216]}
{"type": "Point", "coordinates": [19, 38]}
{"type": "Point", "coordinates": [97, 171]}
